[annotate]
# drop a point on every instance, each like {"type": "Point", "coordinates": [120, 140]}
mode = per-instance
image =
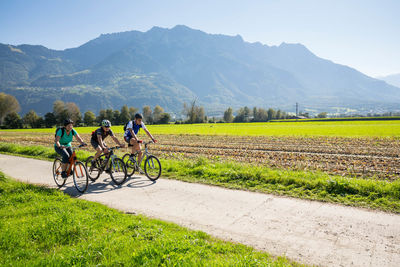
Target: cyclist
{"type": "Point", "coordinates": [130, 136]}
{"type": "Point", "coordinates": [62, 144]}
{"type": "Point", "coordinates": [98, 137]}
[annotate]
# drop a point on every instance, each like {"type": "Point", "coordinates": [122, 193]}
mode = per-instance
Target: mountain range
{"type": "Point", "coordinates": [393, 79]}
{"type": "Point", "coordinates": [168, 67]}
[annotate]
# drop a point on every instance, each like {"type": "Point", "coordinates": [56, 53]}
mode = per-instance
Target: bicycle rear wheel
{"type": "Point", "coordinates": [152, 168]}
{"type": "Point", "coordinates": [80, 175]}
{"type": "Point", "coordinates": [57, 173]}
{"type": "Point", "coordinates": [118, 171]}
{"type": "Point", "coordinates": [92, 170]}
{"type": "Point", "coordinates": [130, 164]}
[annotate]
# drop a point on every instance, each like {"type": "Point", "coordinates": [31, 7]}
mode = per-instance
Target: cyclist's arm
{"type": "Point", "coordinates": [149, 135]}
{"type": "Point", "coordinates": [117, 141]}
{"type": "Point", "coordinates": [100, 141]}
{"type": "Point", "coordinates": [58, 141]}
{"type": "Point", "coordinates": [79, 139]}
{"type": "Point", "coordinates": [133, 134]}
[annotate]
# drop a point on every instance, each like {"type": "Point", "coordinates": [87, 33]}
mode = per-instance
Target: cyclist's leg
{"type": "Point", "coordinates": [138, 148]}
{"type": "Point", "coordinates": [67, 155]}
{"type": "Point", "coordinates": [61, 153]}
{"type": "Point", "coordinates": [69, 151]}
{"type": "Point", "coordinates": [132, 143]}
{"type": "Point", "coordinates": [98, 149]}
{"type": "Point", "coordinates": [65, 159]}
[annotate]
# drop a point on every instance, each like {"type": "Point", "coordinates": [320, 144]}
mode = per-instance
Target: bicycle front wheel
{"type": "Point", "coordinates": [92, 169]}
{"type": "Point", "coordinates": [130, 164]}
{"type": "Point", "coordinates": [118, 171]}
{"type": "Point", "coordinates": [80, 175]}
{"type": "Point", "coordinates": [152, 168]}
{"type": "Point", "coordinates": [57, 173]}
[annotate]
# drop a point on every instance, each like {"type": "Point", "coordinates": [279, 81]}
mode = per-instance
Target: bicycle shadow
{"type": "Point", "coordinates": [104, 184]}
{"type": "Point", "coordinates": [137, 181]}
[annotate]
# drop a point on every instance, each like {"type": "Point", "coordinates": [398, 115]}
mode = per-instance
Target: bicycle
{"type": "Point", "coordinates": [109, 163]}
{"type": "Point", "coordinates": [75, 168]}
{"type": "Point", "coordinates": [152, 165]}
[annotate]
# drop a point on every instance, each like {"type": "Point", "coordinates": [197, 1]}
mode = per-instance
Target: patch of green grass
{"type": "Point", "coordinates": [41, 227]}
{"type": "Point", "coordinates": [316, 185]}
{"type": "Point", "coordinates": [389, 128]}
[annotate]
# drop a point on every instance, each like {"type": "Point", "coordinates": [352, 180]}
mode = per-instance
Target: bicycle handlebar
{"type": "Point", "coordinates": [149, 142]}
{"type": "Point", "coordinates": [75, 147]}
{"type": "Point", "coordinates": [145, 143]}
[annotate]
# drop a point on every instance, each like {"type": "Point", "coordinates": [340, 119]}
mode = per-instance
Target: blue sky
{"type": "Point", "coordinates": [364, 34]}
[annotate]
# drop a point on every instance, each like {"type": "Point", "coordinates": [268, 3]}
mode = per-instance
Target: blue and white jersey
{"type": "Point", "coordinates": [135, 127]}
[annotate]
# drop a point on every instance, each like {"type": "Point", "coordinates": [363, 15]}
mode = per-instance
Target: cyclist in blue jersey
{"type": "Point", "coordinates": [130, 136]}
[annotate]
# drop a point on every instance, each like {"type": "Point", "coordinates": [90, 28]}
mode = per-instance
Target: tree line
{"type": "Point", "coordinates": [196, 114]}
{"type": "Point", "coordinates": [246, 114]}
{"type": "Point", "coordinates": [9, 117]}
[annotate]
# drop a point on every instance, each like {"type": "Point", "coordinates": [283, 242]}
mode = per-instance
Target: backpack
{"type": "Point", "coordinates": [126, 124]}
{"type": "Point", "coordinates": [62, 131]}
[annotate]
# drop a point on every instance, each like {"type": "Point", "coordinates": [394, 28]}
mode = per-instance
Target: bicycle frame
{"type": "Point", "coordinates": [107, 157]}
{"type": "Point", "coordinates": [71, 162]}
{"type": "Point", "coordinates": [151, 163]}
{"type": "Point", "coordinates": [146, 153]}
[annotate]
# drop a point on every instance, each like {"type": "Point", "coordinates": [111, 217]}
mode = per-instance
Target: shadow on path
{"type": "Point", "coordinates": [105, 184]}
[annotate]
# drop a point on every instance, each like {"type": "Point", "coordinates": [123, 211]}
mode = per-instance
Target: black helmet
{"type": "Point", "coordinates": [67, 121]}
{"type": "Point", "coordinates": [138, 116]}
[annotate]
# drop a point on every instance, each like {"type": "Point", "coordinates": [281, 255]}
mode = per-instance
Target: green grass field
{"type": "Point", "coordinates": [44, 227]}
{"type": "Point", "coordinates": [315, 185]}
{"type": "Point", "coordinates": [314, 128]}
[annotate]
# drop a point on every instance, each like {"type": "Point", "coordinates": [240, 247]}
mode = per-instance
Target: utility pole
{"type": "Point", "coordinates": [297, 109]}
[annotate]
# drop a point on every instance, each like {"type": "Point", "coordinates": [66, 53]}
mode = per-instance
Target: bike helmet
{"type": "Point", "coordinates": [106, 123]}
{"type": "Point", "coordinates": [67, 121]}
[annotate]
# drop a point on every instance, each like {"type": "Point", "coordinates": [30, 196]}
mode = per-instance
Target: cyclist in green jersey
{"type": "Point", "coordinates": [62, 144]}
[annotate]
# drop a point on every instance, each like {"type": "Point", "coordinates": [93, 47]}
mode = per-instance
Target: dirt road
{"type": "Point", "coordinates": [306, 231]}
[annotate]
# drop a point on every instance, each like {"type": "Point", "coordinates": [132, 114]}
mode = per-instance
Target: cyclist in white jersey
{"type": "Point", "coordinates": [131, 131]}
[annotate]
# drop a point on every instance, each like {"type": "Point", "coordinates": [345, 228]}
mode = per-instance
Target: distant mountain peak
{"type": "Point", "coordinates": [297, 46]}
{"type": "Point", "coordinates": [156, 28]}
{"type": "Point", "coordinates": [182, 27]}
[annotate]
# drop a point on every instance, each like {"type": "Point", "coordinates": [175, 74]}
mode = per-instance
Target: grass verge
{"type": "Point", "coordinates": [41, 227]}
{"type": "Point", "coordinates": [315, 185]}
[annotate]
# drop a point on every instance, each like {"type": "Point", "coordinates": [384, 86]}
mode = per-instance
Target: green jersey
{"type": "Point", "coordinates": [66, 139]}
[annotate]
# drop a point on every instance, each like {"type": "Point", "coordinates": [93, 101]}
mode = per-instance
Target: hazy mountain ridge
{"type": "Point", "coordinates": [393, 79]}
{"type": "Point", "coordinates": [171, 66]}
